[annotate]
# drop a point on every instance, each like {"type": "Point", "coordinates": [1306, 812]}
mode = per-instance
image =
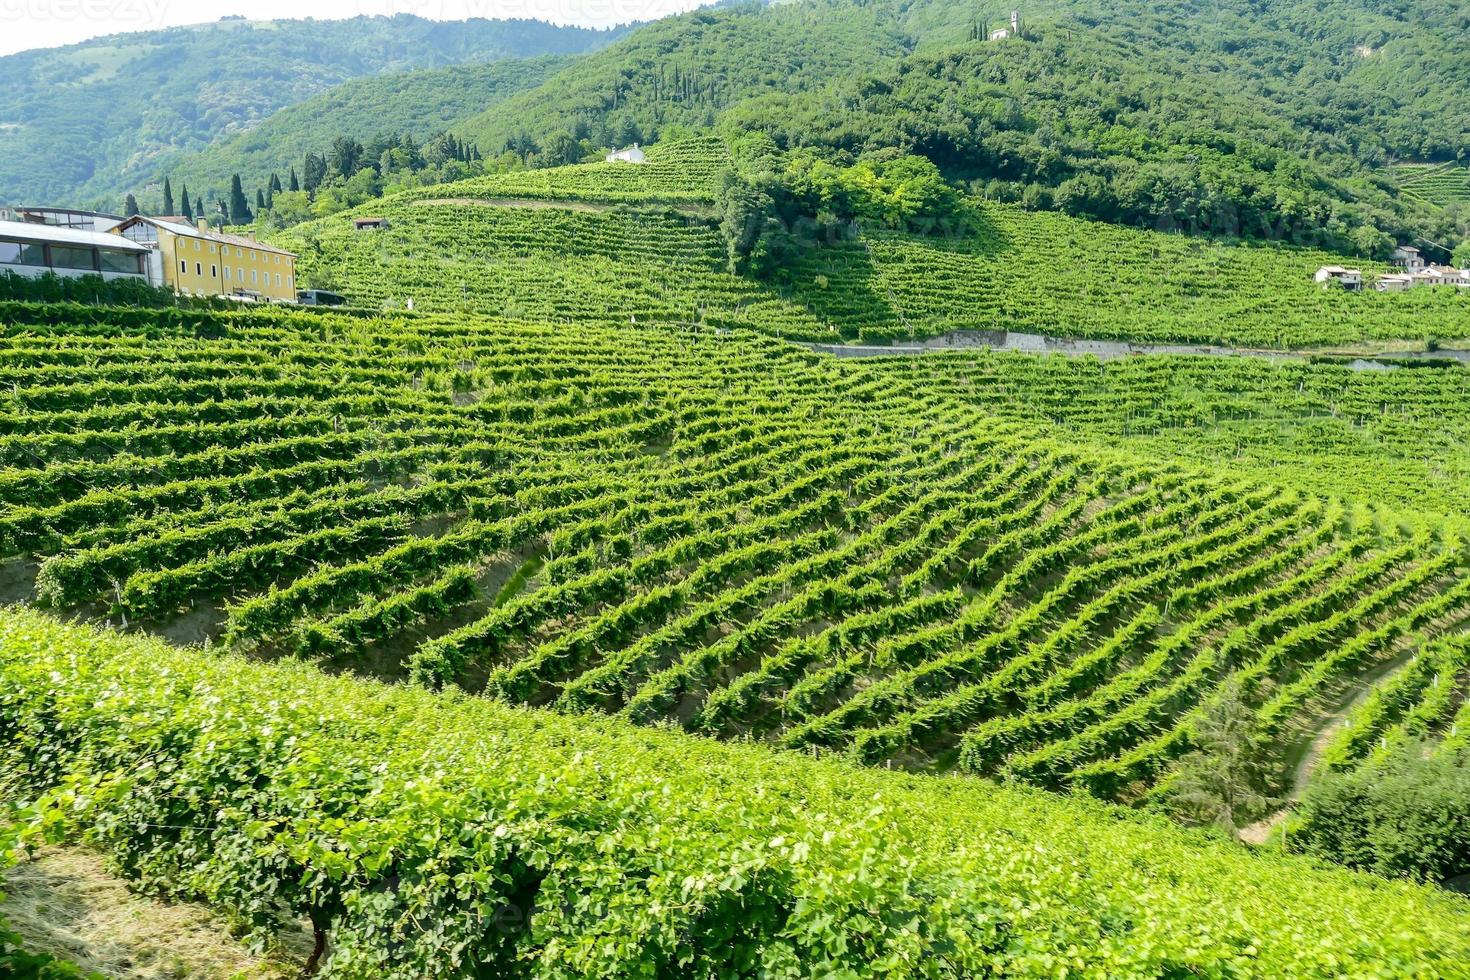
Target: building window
{"type": "Point", "coordinates": [240, 272]}
{"type": "Point", "coordinates": [214, 272]}
{"type": "Point", "coordinates": [10, 253]}
{"type": "Point", "coordinates": [254, 277]}
{"type": "Point", "coordinates": [227, 272]}
{"type": "Point", "coordinates": [126, 262]}
{"type": "Point", "coordinates": [183, 265]}
{"type": "Point", "coordinates": [67, 257]}
{"type": "Point", "coordinates": [198, 268]}
{"type": "Point", "coordinates": [252, 255]}
{"type": "Point", "coordinates": [212, 248]}
{"type": "Point", "coordinates": [278, 278]}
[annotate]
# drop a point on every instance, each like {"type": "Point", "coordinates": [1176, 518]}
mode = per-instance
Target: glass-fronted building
{"type": "Point", "coordinates": [33, 249]}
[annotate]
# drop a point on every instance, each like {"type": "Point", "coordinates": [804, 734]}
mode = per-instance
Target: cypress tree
{"type": "Point", "coordinates": [168, 197]}
{"type": "Point", "coordinates": [259, 200]}
{"type": "Point", "coordinates": [188, 210]}
{"type": "Point", "coordinates": [295, 184]}
{"type": "Point", "coordinates": [239, 213]}
{"type": "Point", "coordinates": [130, 206]}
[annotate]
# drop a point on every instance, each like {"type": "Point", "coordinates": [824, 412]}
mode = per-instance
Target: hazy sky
{"type": "Point", "coordinates": [47, 23]}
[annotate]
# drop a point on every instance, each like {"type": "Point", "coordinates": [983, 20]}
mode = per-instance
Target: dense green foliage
{"type": "Point", "coordinates": [683, 72]}
{"type": "Point", "coordinates": [449, 837]}
{"type": "Point", "coordinates": [51, 288]}
{"type": "Point", "coordinates": [1404, 814]}
{"type": "Point", "coordinates": [421, 104]}
{"type": "Point", "coordinates": [1257, 119]}
{"type": "Point", "coordinates": [180, 89]}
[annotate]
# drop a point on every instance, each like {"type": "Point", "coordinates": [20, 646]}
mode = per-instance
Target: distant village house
{"type": "Point", "coordinates": [631, 154]}
{"type": "Point", "coordinates": [1336, 275]}
{"type": "Point", "coordinates": [369, 224]}
{"type": "Point", "coordinates": [1406, 257]}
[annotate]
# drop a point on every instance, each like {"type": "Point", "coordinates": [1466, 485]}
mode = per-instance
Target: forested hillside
{"type": "Point", "coordinates": [180, 89]}
{"type": "Point", "coordinates": [421, 104]}
{"type": "Point", "coordinates": [1257, 119]}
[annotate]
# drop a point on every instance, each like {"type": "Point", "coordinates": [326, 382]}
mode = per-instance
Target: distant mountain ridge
{"type": "Point", "coordinates": [80, 124]}
{"type": "Point", "coordinates": [422, 103]}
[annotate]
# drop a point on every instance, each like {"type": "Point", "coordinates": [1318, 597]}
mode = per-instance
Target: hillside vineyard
{"type": "Point", "coordinates": [716, 530]}
{"type": "Point", "coordinates": [643, 243]}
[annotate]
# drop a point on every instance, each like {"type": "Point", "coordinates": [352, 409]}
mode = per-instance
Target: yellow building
{"type": "Point", "coordinates": [195, 261]}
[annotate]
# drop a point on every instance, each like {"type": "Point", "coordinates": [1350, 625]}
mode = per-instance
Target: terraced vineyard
{"type": "Point", "coordinates": [585, 266]}
{"type": "Point", "coordinates": [1392, 436]}
{"type": "Point", "coordinates": [1442, 183]}
{"type": "Point", "coordinates": [724, 531]}
{"type": "Point", "coordinates": [1428, 702]}
{"type": "Point", "coordinates": [616, 241]}
{"type": "Point", "coordinates": [677, 171]}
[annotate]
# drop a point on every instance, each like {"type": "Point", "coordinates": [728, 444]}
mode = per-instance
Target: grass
{"type": "Point", "coordinates": [65, 902]}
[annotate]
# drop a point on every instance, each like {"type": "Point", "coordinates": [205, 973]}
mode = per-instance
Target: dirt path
{"type": "Point", "coordinates": [64, 902]}
{"type": "Point", "coordinates": [1330, 725]}
{"type": "Point", "coordinates": [1380, 356]}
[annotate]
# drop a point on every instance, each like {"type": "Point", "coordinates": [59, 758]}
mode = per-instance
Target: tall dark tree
{"type": "Point", "coordinates": [188, 209]}
{"type": "Point", "coordinates": [347, 156]}
{"type": "Point", "coordinates": [294, 185]}
{"type": "Point", "coordinates": [198, 207]}
{"type": "Point", "coordinates": [168, 197]}
{"type": "Point", "coordinates": [313, 173]}
{"type": "Point", "coordinates": [239, 212]}
{"type": "Point", "coordinates": [130, 206]}
{"type": "Point", "coordinates": [259, 200]}
{"type": "Point", "coordinates": [274, 186]}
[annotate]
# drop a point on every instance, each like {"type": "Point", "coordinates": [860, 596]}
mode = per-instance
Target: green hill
{"type": "Point", "coordinates": [422, 103]}
{"type": "Point", "coordinates": [622, 252]}
{"type": "Point", "coordinates": [1264, 119]}
{"type": "Point", "coordinates": [183, 88]}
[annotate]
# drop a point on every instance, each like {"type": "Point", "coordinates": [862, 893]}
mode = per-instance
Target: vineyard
{"type": "Point", "coordinates": [1442, 184]}
{"type": "Point", "coordinates": [720, 531]}
{"type": "Point", "coordinates": [677, 171]}
{"type": "Point", "coordinates": [627, 242]}
{"type": "Point", "coordinates": [1395, 437]}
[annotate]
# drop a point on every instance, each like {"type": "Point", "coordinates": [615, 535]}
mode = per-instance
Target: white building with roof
{"type": "Point", "coordinates": [631, 154]}
{"type": "Point", "coordinates": [1407, 257]}
{"type": "Point", "coordinates": [1351, 279]}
